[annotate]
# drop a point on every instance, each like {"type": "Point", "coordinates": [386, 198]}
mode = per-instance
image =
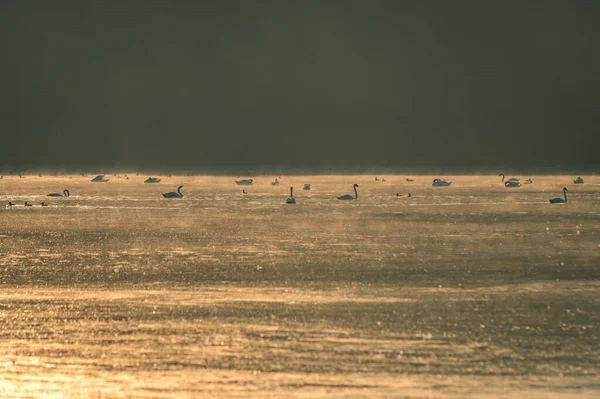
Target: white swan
{"type": "Point", "coordinates": [151, 180]}
{"type": "Point", "coordinates": [306, 187]}
{"type": "Point", "coordinates": [174, 194]}
{"type": "Point", "coordinates": [349, 196]}
{"type": "Point", "coordinates": [291, 200]}
{"type": "Point", "coordinates": [579, 180]}
{"type": "Point", "coordinates": [246, 182]}
{"type": "Point", "coordinates": [512, 184]}
{"type": "Point", "coordinates": [275, 183]}
{"type": "Point", "coordinates": [559, 200]}
{"type": "Point", "coordinates": [99, 179]}
{"type": "Point", "coordinates": [65, 193]}
{"type": "Point", "coordinates": [441, 183]}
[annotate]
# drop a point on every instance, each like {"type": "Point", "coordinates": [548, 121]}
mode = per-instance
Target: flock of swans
{"type": "Point", "coordinates": [508, 183]}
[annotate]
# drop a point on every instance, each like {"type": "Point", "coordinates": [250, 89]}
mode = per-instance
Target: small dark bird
{"type": "Point", "coordinates": [10, 203]}
{"type": "Point", "coordinates": [409, 195]}
{"type": "Point", "coordinates": [26, 204]}
{"type": "Point", "coordinates": [44, 204]}
{"type": "Point", "coordinates": [244, 192]}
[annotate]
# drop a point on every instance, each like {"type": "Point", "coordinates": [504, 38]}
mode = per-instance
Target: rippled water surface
{"type": "Point", "coordinates": [472, 290]}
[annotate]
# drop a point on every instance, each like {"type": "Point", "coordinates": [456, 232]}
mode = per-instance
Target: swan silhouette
{"type": "Point", "coordinates": [441, 183]}
{"type": "Point", "coordinates": [173, 194]}
{"type": "Point", "coordinates": [65, 193]}
{"type": "Point", "coordinates": [246, 182]}
{"type": "Point", "coordinates": [275, 183]}
{"type": "Point", "coordinates": [511, 179]}
{"type": "Point", "coordinates": [151, 180]}
{"type": "Point", "coordinates": [512, 184]}
{"type": "Point", "coordinates": [559, 200]}
{"type": "Point", "coordinates": [306, 187]}
{"type": "Point", "coordinates": [349, 196]}
{"type": "Point", "coordinates": [291, 200]}
{"type": "Point", "coordinates": [579, 180]}
{"type": "Point", "coordinates": [99, 179]}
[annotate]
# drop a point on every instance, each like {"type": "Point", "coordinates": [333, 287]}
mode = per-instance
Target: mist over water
{"type": "Point", "coordinates": [467, 290]}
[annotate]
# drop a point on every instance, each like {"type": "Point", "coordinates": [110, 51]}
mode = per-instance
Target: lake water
{"type": "Point", "coordinates": [472, 290]}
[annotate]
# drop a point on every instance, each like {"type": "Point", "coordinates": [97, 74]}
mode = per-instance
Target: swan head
{"type": "Point", "coordinates": [355, 185]}
{"type": "Point", "coordinates": [436, 180]}
{"type": "Point", "coordinates": [565, 190]}
{"type": "Point", "coordinates": [179, 188]}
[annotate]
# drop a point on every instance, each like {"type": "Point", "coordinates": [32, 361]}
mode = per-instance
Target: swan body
{"type": "Point", "coordinates": [512, 184]}
{"type": "Point", "coordinates": [291, 200]}
{"type": "Point", "coordinates": [152, 180]}
{"type": "Point", "coordinates": [306, 187]}
{"type": "Point", "coordinates": [275, 183]}
{"type": "Point", "coordinates": [173, 194]}
{"type": "Point", "coordinates": [579, 180]}
{"type": "Point", "coordinates": [246, 182]}
{"type": "Point", "coordinates": [99, 179]}
{"type": "Point", "coordinates": [65, 193]}
{"type": "Point", "coordinates": [349, 196]}
{"type": "Point", "coordinates": [441, 183]}
{"type": "Point", "coordinates": [559, 200]}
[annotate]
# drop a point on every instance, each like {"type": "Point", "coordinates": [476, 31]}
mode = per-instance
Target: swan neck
{"type": "Point", "coordinates": [355, 193]}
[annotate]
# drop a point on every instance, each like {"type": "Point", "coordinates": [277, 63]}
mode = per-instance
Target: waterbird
{"type": "Point", "coordinates": [65, 193]}
{"type": "Point", "coordinates": [246, 182]}
{"type": "Point", "coordinates": [10, 203]}
{"type": "Point", "coordinates": [275, 183]}
{"type": "Point", "coordinates": [349, 196]}
{"type": "Point", "coordinates": [152, 180]}
{"type": "Point", "coordinates": [511, 179]}
{"type": "Point", "coordinates": [407, 179]}
{"type": "Point", "coordinates": [441, 183]}
{"type": "Point", "coordinates": [306, 187]}
{"type": "Point", "coordinates": [44, 204]}
{"type": "Point", "coordinates": [244, 192]}
{"type": "Point", "coordinates": [173, 194]}
{"type": "Point", "coordinates": [559, 200]}
{"type": "Point", "coordinates": [512, 184]}
{"type": "Point", "coordinates": [291, 200]}
{"type": "Point", "coordinates": [376, 179]}
{"type": "Point", "coordinates": [99, 179]}
{"type": "Point", "coordinates": [26, 204]}
{"type": "Point", "coordinates": [579, 180]}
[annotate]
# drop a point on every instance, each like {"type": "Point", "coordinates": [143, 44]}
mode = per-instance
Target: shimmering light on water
{"type": "Point", "coordinates": [472, 289]}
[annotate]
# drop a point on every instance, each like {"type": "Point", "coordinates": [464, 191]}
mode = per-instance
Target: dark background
{"type": "Point", "coordinates": [299, 84]}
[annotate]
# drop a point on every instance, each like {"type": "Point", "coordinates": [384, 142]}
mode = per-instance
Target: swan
{"type": "Point", "coordinates": [512, 184]}
{"type": "Point", "coordinates": [275, 183]}
{"type": "Point", "coordinates": [99, 179]}
{"type": "Point", "coordinates": [579, 180]}
{"type": "Point", "coordinates": [511, 179]}
{"type": "Point", "coordinates": [441, 183]}
{"type": "Point", "coordinates": [559, 200]}
{"type": "Point", "coordinates": [152, 180]}
{"type": "Point", "coordinates": [306, 187]}
{"type": "Point", "coordinates": [247, 182]}
{"type": "Point", "coordinates": [291, 200]}
{"type": "Point", "coordinates": [173, 194]}
{"type": "Point", "coordinates": [349, 196]}
{"type": "Point", "coordinates": [65, 193]}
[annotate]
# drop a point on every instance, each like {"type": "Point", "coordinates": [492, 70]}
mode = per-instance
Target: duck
{"type": "Point", "coordinates": [306, 187]}
{"type": "Point", "coordinates": [579, 180]}
{"type": "Point", "coordinates": [245, 182]}
{"type": "Point", "coordinates": [275, 182]}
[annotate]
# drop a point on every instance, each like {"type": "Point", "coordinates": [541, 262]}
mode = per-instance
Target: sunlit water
{"type": "Point", "coordinates": [472, 290]}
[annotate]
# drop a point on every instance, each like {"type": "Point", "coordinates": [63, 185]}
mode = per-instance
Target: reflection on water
{"type": "Point", "coordinates": [472, 289]}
